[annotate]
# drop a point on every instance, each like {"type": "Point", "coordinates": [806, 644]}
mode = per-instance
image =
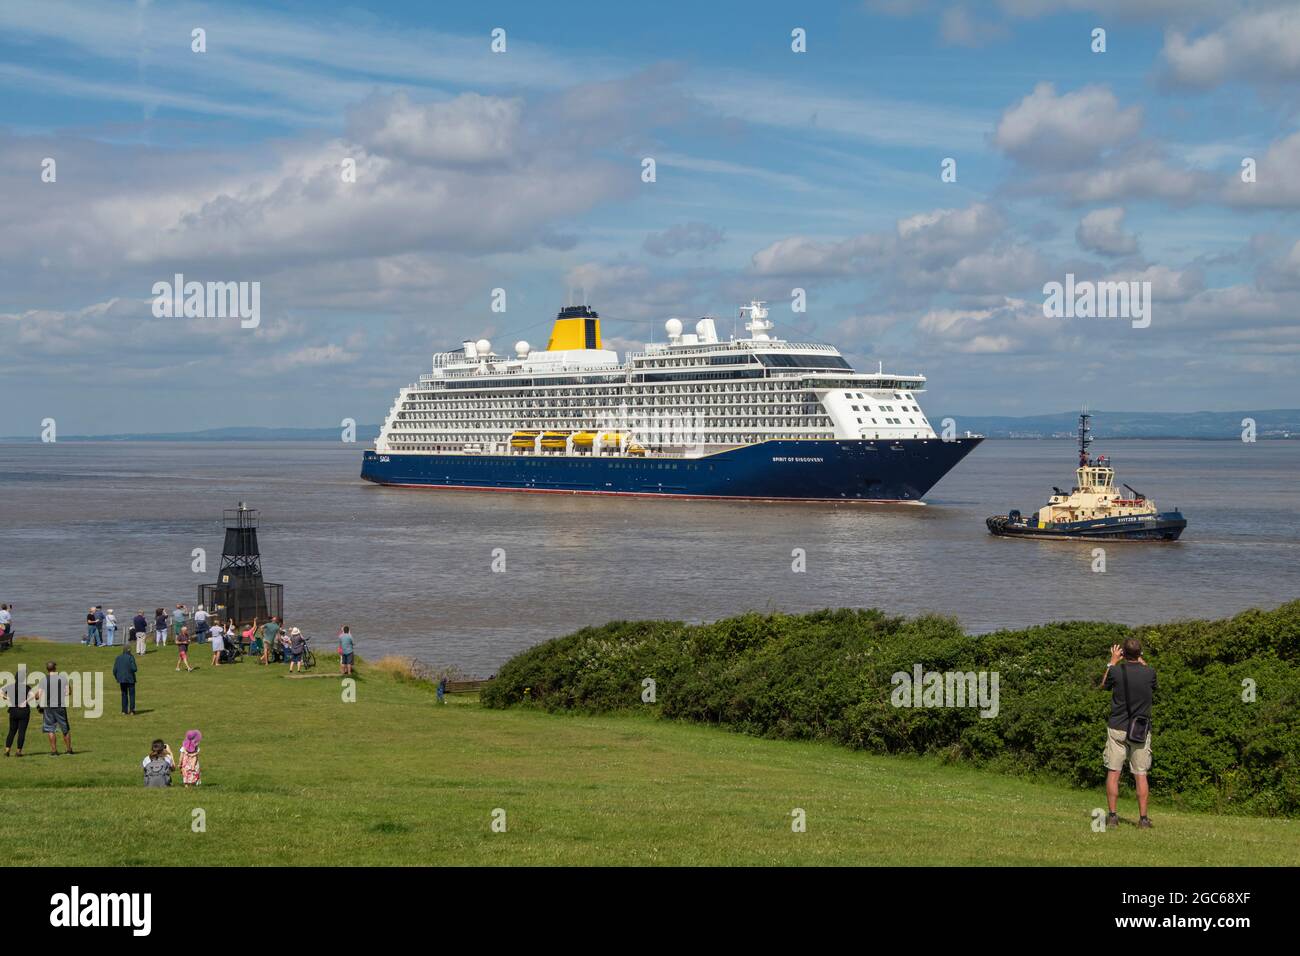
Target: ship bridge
{"type": "Point", "coordinates": [1097, 476]}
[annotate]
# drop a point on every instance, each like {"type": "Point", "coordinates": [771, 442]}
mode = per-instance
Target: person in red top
{"type": "Point", "coordinates": [183, 649]}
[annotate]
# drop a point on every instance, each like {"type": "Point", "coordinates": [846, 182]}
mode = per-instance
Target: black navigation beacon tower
{"type": "Point", "coordinates": [240, 594]}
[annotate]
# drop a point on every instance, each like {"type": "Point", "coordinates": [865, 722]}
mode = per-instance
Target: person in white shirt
{"type": "Point", "coordinates": [110, 627]}
{"type": "Point", "coordinates": [6, 626]}
{"type": "Point", "coordinates": [218, 643]}
{"type": "Point", "coordinates": [200, 624]}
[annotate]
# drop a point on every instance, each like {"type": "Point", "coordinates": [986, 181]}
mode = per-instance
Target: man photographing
{"type": "Point", "coordinates": [1132, 685]}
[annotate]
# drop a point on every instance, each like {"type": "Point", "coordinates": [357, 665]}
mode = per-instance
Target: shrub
{"type": "Point", "coordinates": [828, 676]}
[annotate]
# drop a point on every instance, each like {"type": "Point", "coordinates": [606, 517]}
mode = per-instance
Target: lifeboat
{"type": "Point", "coordinates": [523, 439]}
{"type": "Point", "coordinates": [555, 440]}
{"type": "Point", "coordinates": [608, 439]}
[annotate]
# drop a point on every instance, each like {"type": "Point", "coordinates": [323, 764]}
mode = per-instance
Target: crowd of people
{"type": "Point", "coordinates": [270, 642]}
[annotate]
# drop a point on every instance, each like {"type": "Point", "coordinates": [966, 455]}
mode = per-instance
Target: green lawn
{"type": "Point", "coordinates": [293, 775]}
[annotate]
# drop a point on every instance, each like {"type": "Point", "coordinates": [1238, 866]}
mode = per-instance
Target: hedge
{"type": "Point", "coordinates": [828, 675]}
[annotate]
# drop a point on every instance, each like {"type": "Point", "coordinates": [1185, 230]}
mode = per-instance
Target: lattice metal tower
{"type": "Point", "coordinates": [240, 594]}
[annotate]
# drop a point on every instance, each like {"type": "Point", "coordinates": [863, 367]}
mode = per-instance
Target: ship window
{"type": "Point", "coordinates": [781, 360]}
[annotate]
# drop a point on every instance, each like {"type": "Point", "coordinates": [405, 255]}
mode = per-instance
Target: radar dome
{"type": "Point", "coordinates": [522, 348]}
{"type": "Point", "coordinates": [673, 327]}
{"type": "Point", "coordinates": [484, 347]}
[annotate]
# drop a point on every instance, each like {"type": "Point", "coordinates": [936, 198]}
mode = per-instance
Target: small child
{"type": "Point", "coordinates": [158, 765]}
{"type": "Point", "coordinates": [190, 759]}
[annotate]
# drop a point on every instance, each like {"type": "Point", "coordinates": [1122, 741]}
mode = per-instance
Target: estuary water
{"type": "Point", "coordinates": [412, 571]}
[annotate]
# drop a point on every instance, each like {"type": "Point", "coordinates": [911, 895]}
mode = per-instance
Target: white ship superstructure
{"type": "Point", "coordinates": [694, 394]}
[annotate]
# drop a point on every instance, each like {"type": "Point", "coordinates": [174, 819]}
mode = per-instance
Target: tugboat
{"type": "Point", "coordinates": [1093, 509]}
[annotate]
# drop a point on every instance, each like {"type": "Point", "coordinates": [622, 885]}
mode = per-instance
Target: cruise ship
{"type": "Point", "coordinates": [695, 416]}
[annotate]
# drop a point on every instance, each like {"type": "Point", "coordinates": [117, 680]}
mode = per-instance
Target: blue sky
{"type": "Point", "coordinates": [521, 170]}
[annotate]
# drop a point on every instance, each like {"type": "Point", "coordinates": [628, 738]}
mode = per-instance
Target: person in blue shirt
{"type": "Point", "coordinates": [269, 631]}
{"type": "Point", "coordinates": [346, 649]}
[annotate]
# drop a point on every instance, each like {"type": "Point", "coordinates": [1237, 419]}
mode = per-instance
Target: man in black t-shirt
{"type": "Point", "coordinates": [1132, 686]}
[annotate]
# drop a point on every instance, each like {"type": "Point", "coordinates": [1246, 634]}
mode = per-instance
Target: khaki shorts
{"type": "Point", "coordinates": [1118, 749]}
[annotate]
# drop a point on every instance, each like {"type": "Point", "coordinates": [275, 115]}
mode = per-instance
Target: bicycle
{"type": "Point", "coordinates": [308, 655]}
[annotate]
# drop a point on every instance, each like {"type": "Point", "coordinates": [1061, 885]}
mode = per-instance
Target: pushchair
{"type": "Point", "coordinates": [231, 652]}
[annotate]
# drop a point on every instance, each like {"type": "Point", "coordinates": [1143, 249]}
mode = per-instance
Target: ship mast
{"type": "Point", "coordinates": [1085, 436]}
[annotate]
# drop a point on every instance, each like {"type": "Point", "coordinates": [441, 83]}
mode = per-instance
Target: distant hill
{"type": "Point", "coordinates": [1272, 423]}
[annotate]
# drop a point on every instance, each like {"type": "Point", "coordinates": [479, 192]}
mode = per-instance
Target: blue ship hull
{"type": "Point", "coordinates": [815, 470]}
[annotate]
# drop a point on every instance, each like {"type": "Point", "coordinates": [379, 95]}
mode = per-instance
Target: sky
{"type": "Point", "coordinates": [523, 169]}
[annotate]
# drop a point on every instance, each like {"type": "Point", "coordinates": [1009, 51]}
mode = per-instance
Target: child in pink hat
{"type": "Point", "coordinates": [190, 759]}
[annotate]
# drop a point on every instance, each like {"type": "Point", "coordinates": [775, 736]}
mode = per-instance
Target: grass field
{"type": "Point", "coordinates": [294, 775]}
